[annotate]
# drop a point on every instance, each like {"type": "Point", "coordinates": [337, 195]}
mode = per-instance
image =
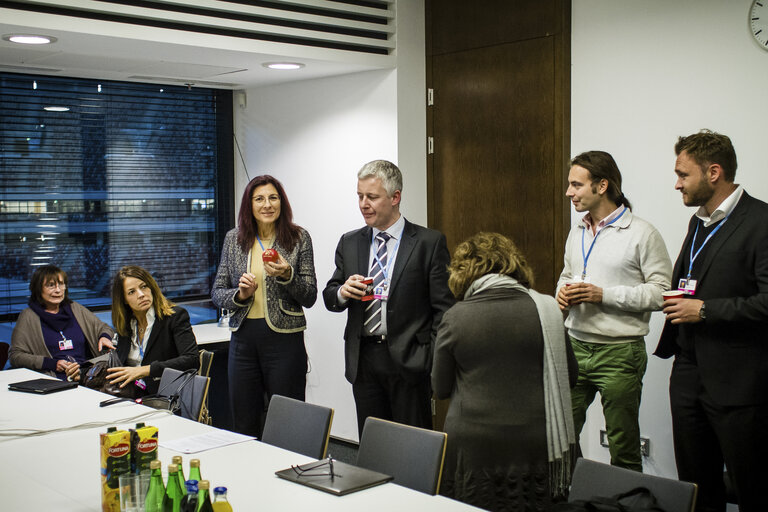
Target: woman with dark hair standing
{"type": "Point", "coordinates": [266, 276]}
{"type": "Point", "coordinates": [54, 335]}
{"type": "Point", "coordinates": [152, 333]}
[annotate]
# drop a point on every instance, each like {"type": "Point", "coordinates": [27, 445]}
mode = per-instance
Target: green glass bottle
{"type": "Point", "coordinates": [204, 497]}
{"type": "Point", "coordinates": [173, 491]}
{"type": "Point", "coordinates": [176, 459]}
{"type": "Point", "coordinates": [156, 491]}
{"type": "Point", "coordinates": [194, 470]}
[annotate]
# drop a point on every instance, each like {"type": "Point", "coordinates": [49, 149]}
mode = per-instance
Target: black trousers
{"type": "Point", "coordinates": [707, 435]}
{"type": "Point", "coordinates": [383, 390]}
{"type": "Point", "coordinates": [263, 363]}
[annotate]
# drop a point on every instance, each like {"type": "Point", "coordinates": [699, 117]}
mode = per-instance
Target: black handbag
{"type": "Point", "coordinates": [95, 376]}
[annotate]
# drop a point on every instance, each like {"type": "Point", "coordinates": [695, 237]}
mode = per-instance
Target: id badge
{"type": "Point", "coordinates": [688, 286]}
{"type": "Point", "coordinates": [66, 344]}
{"type": "Point", "coordinates": [381, 292]}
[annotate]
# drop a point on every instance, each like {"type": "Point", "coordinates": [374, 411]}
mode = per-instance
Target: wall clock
{"type": "Point", "coordinates": [758, 22]}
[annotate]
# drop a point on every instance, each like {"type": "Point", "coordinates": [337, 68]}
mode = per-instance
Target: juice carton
{"type": "Point", "coordinates": [115, 461]}
{"type": "Point", "coordinates": [143, 447]}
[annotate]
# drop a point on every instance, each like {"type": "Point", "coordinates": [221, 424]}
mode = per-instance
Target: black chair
{"type": "Point", "coordinates": [592, 479]}
{"type": "Point", "coordinates": [298, 426]}
{"type": "Point", "coordinates": [3, 354]}
{"type": "Point", "coordinates": [206, 360]}
{"type": "Point", "coordinates": [413, 456]}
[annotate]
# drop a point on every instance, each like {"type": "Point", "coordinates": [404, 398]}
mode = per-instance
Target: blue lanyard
{"type": "Point", "coordinates": [140, 343]}
{"type": "Point", "coordinates": [261, 244]}
{"type": "Point", "coordinates": [585, 257]}
{"type": "Point", "coordinates": [693, 242]}
{"type": "Point", "coordinates": [390, 259]}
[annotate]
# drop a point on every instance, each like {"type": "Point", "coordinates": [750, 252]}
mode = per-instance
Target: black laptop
{"type": "Point", "coordinates": [42, 386]}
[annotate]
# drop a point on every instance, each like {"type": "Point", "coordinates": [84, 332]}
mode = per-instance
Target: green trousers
{"type": "Point", "coordinates": [616, 371]}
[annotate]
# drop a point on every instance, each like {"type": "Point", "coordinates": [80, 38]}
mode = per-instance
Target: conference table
{"type": "Point", "coordinates": [60, 470]}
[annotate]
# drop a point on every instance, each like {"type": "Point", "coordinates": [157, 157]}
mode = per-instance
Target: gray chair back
{"type": "Point", "coordinates": [298, 426]}
{"type": "Point", "coordinates": [592, 478]}
{"type": "Point", "coordinates": [192, 391]}
{"type": "Point", "coordinates": [413, 456]}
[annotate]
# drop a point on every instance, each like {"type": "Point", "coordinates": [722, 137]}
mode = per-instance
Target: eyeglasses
{"type": "Point", "coordinates": [260, 200]}
{"type": "Point", "coordinates": [316, 469]}
{"type": "Point", "coordinates": [53, 286]}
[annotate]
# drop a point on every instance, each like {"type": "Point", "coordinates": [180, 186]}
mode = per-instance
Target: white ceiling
{"type": "Point", "coordinates": [150, 55]}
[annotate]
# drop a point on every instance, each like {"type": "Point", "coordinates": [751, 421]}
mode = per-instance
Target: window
{"type": "Point", "coordinates": [95, 175]}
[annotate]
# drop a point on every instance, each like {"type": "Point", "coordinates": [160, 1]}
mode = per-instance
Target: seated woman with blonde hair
{"type": "Point", "coordinates": [152, 333]}
{"type": "Point", "coordinates": [502, 357]}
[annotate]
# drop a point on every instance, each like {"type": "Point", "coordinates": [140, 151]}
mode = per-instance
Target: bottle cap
{"type": "Point", "coordinates": [220, 490]}
{"type": "Point", "coordinates": [112, 429]}
{"type": "Point", "coordinates": [155, 464]}
{"type": "Point", "coordinates": [173, 468]}
{"type": "Point", "coordinates": [191, 486]}
{"type": "Point", "coordinates": [204, 485]}
{"type": "Point", "coordinates": [176, 459]}
{"type": "Point", "coordinates": [139, 425]}
{"type": "Point", "coordinates": [194, 463]}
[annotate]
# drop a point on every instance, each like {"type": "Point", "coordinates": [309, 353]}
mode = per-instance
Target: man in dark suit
{"type": "Point", "coordinates": [718, 331]}
{"type": "Point", "coordinates": [391, 320]}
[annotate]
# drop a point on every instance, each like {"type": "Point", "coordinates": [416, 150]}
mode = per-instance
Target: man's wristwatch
{"type": "Point", "coordinates": [703, 311]}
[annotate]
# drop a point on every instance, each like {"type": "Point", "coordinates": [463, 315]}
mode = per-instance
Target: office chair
{"type": "Point", "coordinates": [592, 478]}
{"type": "Point", "coordinates": [191, 390]}
{"type": "Point", "coordinates": [4, 346]}
{"type": "Point", "coordinates": [413, 456]}
{"type": "Point", "coordinates": [298, 426]}
{"type": "Point", "coordinates": [206, 360]}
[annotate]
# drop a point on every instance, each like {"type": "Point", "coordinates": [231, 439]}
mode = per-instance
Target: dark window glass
{"type": "Point", "coordinates": [129, 174]}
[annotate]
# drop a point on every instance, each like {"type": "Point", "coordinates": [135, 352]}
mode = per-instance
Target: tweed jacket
{"type": "Point", "coordinates": [28, 348]}
{"type": "Point", "coordinates": [284, 300]}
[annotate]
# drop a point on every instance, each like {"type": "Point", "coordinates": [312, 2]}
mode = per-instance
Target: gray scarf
{"type": "Point", "coordinates": [561, 437]}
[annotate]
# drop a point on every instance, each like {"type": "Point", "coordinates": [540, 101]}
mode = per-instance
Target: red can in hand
{"type": "Point", "coordinates": [270, 256]}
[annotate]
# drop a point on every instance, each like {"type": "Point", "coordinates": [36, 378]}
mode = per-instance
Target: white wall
{"type": "Point", "coordinates": [314, 136]}
{"type": "Point", "coordinates": [644, 73]}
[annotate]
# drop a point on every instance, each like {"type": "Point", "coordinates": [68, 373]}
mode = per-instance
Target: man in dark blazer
{"type": "Point", "coordinates": [718, 332]}
{"type": "Point", "coordinates": [391, 321]}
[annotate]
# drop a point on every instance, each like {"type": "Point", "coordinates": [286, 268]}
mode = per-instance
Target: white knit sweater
{"type": "Point", "coordinates": [630, 263]}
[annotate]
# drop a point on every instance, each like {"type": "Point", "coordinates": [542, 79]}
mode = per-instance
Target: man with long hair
{"type": "Point", "coordinates": [616, 268]}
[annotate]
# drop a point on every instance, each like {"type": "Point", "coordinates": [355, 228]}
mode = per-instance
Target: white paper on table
{"type": "Point", "coordinates": [202, 442]}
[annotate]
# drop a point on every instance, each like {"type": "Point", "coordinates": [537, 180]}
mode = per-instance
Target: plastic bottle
{"type": "Point", "coordinates": [173, 492]}
{"type": "Point", "coordinates": [156, 491]}
{"type": "Point", "coordinates": [189, 501]}
{"type": "Point", "coordinates": [220, 502]}
{"type": "Point", "coordinates": [194, 470]}
{"type": "Point", "coordinates": [204, 497]}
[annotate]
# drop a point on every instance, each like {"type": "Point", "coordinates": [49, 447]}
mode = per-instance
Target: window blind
{"type": "Point", "coordinates": [95, 175]}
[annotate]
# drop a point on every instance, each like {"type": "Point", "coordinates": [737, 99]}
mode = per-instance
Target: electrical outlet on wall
{"type": "Point", "coordinates": [645, 443]}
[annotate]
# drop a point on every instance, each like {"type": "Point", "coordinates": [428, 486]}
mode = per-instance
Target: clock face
{"type": "Point", "coordinates": [758, 22]}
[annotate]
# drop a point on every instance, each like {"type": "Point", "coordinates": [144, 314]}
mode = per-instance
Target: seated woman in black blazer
{"type": "Point", "coordinates": [152, 333]}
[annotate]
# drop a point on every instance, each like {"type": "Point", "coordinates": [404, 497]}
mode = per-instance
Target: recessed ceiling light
{"type": "Point", "coordinates": [29, 39]}
{"type": "Point", "coordinates": [283, 65]}
{"type": "Point", "coordinates": [56, 109]}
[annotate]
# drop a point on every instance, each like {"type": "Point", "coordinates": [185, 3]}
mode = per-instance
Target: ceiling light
{"type": "Point", "coordinates": [56, 109]}
{"type": "Point", "coordinates": [29, 39]}
{"type": "Point", "coordinates": [283, 65]}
